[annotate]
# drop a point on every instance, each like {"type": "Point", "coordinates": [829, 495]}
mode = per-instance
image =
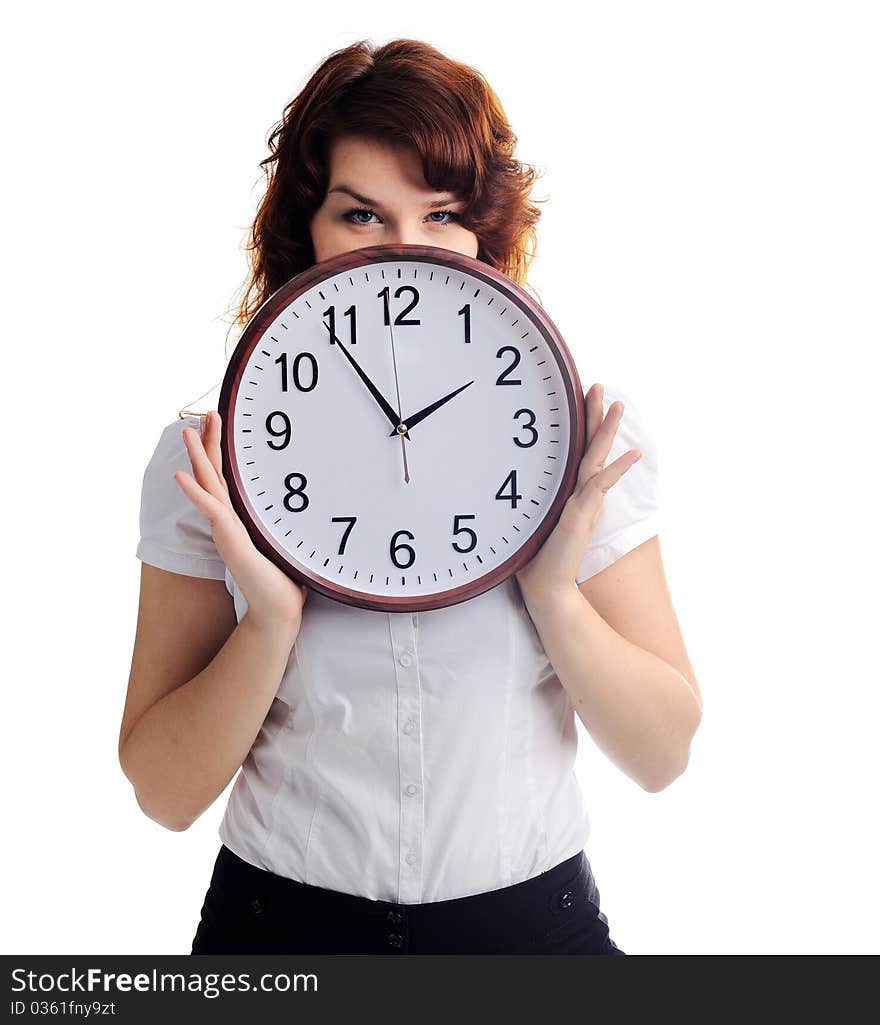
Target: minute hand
{"type": "Point", "coordinates": [381, 401]}
{"type": "Point", "coordinates": [416, 418]}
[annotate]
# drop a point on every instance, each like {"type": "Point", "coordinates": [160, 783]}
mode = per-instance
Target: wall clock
{"type": "Point", "coordinates": [401, 427]}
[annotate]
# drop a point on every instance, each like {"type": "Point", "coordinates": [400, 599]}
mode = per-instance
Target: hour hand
{"type": "Point", "coordinates": [417, 418]}
{"type": "Point", "coordinates": [383, 404]}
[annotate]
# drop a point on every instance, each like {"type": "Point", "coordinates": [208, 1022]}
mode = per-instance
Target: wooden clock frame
{"type": "Point", "coordinates": [366, 256]}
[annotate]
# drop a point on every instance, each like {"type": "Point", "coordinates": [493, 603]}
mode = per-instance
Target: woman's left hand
{"type": "Point", "coordinates": [554, 567]}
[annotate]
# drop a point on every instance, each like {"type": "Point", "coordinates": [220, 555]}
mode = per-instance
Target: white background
{"type": "Point", "coordinates": [709, 246]}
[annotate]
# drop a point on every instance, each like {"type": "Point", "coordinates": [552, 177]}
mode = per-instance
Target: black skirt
{"type": "Point", "coordinates": [248, 910]}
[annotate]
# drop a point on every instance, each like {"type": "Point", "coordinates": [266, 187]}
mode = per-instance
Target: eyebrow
{"type": "Point", "coordinates": [373, 202]}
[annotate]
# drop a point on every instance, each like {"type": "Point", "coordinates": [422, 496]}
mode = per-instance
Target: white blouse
{"type": "Point", "coordinates": [408, 757]}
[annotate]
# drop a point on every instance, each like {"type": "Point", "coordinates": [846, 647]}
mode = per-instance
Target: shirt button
{"type": "Point", "coordinates": [412, 788]}
{"type": "Point", "coordinates": [409, 725]}
{"type": "Point", "coordinates": [411, 858]}
{"type": "Point", "coordinates": [405, 659]}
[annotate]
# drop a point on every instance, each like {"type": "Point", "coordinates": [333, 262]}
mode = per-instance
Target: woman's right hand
{"type": "Point", "coordinates": [271, 595]}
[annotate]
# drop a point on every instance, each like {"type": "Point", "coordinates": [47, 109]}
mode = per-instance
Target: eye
{"type": "Point", "coordinates": [358, 210]}
{"type": "Point", "coordinates": [451, 213]}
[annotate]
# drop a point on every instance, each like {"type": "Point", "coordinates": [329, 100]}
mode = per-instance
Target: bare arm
{"type": "Point", "coordinates": [183, 748]}
{"type": "Point", "coordinates": [616, 647]}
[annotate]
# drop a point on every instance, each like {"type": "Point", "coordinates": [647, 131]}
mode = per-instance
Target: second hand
{"type": "Point", "coordinates": [401, 428]}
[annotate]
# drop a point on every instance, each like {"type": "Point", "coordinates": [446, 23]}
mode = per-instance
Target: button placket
{"type": "Point", "coordinates": [409, 746]}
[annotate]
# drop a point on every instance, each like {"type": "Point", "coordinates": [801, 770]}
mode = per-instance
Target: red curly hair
{"type": "Point", "coordinates": [405, 92]}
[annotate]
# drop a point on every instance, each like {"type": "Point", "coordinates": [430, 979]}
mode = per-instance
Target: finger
{"type": "Point", "coordinates": [608, 428]}
{"type": "Point", "coordinates": [210, 506]}
{"type": "Point", "coordinates": [211, 441]}
{"type": "Point", "coordinates": [597, 451]}
{"type": "Point", "coordinates": [593, 399]}
{"type": "Point", "coordinates": [606, 478]}
{"type": "Point", "coordinates": [203, 469]}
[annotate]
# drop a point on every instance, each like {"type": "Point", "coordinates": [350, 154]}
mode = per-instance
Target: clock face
{"type": "Point", "coordinates": [370, 512]}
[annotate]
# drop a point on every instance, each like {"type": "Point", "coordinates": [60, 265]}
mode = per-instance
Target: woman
{"type": "Point", "coordinates": [406, 782]}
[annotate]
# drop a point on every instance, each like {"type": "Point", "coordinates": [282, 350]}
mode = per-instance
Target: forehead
{"type": "Point", "coordinates": [375, 168]}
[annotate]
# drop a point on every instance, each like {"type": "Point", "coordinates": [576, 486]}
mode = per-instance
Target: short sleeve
{"type": "Point", "coordinates": [631, 510]}
{"type": "Point", "coordinates": [174, 534]}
